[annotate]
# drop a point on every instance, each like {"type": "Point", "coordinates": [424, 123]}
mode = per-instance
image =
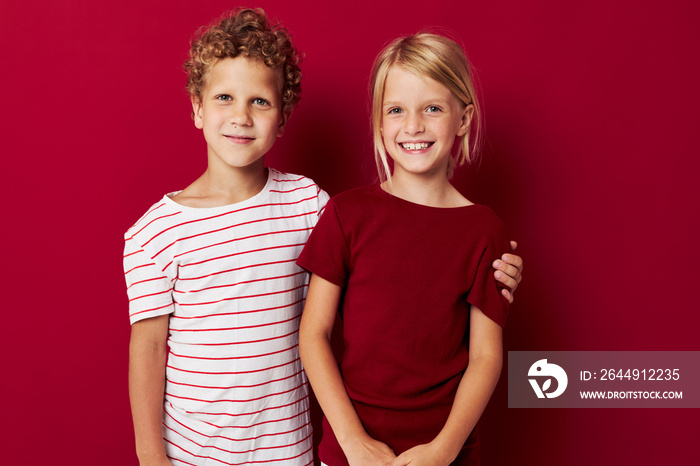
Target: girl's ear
{"type": "Point", "coordinates": [197, 113]}
{"type": "Point", "coordinates": [466, 120]}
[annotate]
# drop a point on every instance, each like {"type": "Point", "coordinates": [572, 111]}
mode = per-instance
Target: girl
{"type": "Point", "coordinates": [406, 264]}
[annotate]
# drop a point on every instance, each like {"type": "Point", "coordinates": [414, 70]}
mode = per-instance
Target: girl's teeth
{"type": "Point", "coordinates": [415, 146]}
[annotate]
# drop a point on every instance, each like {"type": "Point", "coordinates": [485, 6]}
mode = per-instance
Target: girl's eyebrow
{"type": "Point", "coordinates": [440, 101]}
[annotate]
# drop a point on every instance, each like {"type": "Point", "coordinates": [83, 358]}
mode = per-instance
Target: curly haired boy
{"type": "Point", "coordinates": [215, 296]}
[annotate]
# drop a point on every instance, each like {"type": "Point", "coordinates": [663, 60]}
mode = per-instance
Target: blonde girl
{"type": "Point", "coordinates": [406, 264]}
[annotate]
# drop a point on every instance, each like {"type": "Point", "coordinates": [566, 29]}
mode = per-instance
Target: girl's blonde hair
{"type": "Point", "coordinates": [437, 57]}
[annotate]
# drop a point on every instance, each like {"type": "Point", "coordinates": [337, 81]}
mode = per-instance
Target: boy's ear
{"type": "Point", "coordinates": [283, 123]}
{"type": "Point", "coordinates": [197, 113]}
{"type": "Point", "coordinates": [466, 120]}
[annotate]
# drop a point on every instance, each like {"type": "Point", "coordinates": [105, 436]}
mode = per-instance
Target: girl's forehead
{"type": "Point", "coordinates": [403, 82]}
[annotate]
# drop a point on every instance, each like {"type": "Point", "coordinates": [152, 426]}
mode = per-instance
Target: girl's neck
{"type": "Point", "coordinates": [428, 191]}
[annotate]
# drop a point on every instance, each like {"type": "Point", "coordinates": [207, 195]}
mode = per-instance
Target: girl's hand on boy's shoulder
{"type": "Point", "coordinates": [509, 271]}
{"type": "Point", "coordinates": [369, 452]}
{"type": "Point", "coordinates": [422, 455]}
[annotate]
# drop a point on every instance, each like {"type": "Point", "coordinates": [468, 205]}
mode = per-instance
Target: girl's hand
{"type": "Point", "coordinates": [422, 455]}
{"type": "Point", "coordinates": [509, 269]}
{"type": "Point", "coordinates": [368, 452]}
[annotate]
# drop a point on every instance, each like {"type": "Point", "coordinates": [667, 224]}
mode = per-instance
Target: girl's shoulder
{"type": "Point", "coordinates": [356, 198]}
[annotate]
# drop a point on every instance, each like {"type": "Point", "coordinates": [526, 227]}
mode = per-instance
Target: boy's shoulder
{"type": "Point", "coordinates": [159, 216]}
{"type": "Point", "coordinates": [281, 179]}
{"type": "Point", "coordinates": [278, 176]}
{"type": "Point", "coordinates": [303, 187]}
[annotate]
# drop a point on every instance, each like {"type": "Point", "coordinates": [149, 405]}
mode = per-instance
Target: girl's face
{"type": "Point", "coordinates": [420, 120]}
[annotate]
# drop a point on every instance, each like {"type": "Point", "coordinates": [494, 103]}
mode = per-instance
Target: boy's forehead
{"type": "Point", "coordinates": [243, 70]}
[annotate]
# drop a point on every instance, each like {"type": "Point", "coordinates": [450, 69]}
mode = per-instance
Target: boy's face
{"type": "Point", "coordinates": [240, 112]}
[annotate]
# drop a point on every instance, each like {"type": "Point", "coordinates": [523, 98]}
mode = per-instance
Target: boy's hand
{"type": "Point", "coordinates": [422, 455]}
{"type": "Point", "coordinates": [368, 452]}
{"type": "Point", "coordinates": [509, 270]}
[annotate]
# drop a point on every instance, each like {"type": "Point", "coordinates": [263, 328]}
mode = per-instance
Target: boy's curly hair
{"type": "Point", "coordinates": [245, 32]}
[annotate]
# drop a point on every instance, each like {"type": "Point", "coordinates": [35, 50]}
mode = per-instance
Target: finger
{"type": "Point", "coordinates": [505, 279]}
{"type": "Point", "coordinates": [508, 295]}
{"type": "Point", "coordinates": [507, 269]}
{"type": "Point", "coordinates": [398, 461]}
{"type": "Point", "coordinates": [513, 245]}
{"type": "Point", "coordinates": [513, 260]}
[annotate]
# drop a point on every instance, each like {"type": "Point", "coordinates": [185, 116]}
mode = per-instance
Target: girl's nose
{"type": "Point", "coordinates": [413, 124]}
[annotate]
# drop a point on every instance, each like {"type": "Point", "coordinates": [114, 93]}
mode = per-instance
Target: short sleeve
{"type": "Point", "coordinates": [326, 252]}
{"type": "Point", "coordinates": [485, 292]}
{"type": "Point", "coordinates": [148, 288]}
{"type": "Point", "coordinates": [322, 199]}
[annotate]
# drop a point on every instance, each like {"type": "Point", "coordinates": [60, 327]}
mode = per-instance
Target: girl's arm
{"type": "Point", "coordinates": [322, 370]}
{"type": "Point", "coordinates": [473, 393]}
{"type": "Point", "coordinates": [147, 356]}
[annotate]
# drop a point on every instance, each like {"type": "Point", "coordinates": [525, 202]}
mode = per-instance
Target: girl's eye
{"type": "Point", "coordinates": [434, 109]}
{"type": "Point", "coordinates": [394, 111]}
{"type": "Point", "coordinates": [224, 97]}
{"type": "Point", "coordinates": [259, 101]}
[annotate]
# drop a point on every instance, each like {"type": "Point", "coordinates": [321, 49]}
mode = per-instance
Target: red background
{"type": "Point", "coordinates": [591, 160]}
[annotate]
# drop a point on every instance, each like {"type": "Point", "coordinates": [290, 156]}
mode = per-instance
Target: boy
{"type": "Point", "coordinates": [215, 295]}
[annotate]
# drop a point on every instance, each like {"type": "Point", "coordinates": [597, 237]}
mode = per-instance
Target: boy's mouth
{"type": "Point", "coordinates": [415, 145]}
{"type": "Point", "coordinates": [238, 138]}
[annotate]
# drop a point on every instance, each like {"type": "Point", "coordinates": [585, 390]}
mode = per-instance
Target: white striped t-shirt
{"type": "Point", "coordinates": [235, 389]}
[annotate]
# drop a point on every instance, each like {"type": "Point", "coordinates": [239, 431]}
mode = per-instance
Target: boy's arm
{"type": "Point", "coordinates": [473, 393]}
{"type": "Point", "coordinates": [509, 271]}
{"type": "Point", "coordinates": [322, 370]}
{"type": "Point", "coordinates": [147, 357]}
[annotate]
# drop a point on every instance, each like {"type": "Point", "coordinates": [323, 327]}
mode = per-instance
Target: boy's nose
{"type": "Point", "coordinates": [240, 116]}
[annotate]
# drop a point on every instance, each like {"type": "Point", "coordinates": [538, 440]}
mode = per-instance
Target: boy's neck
{"type": "Point", "coordinates": [215, 189]}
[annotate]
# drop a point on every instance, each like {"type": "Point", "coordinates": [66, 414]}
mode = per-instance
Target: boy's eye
{"type": "Point", "coordinates": [259, 101]}
{"type": "Point", "coordinates": [224, 97]}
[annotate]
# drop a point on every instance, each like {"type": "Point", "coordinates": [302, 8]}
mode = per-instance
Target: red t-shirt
{"type": "Point", "coordinates": [410, 273]}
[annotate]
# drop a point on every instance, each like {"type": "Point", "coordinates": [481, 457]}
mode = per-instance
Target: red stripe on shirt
{"type": "Point", "coordinates": [269, 395]}
{"type": "Point", "coordinates": [292, 190]}
{"type": "Point", "coordinates": [233, 373]}
{"type": "Point", "coordinates": [234, 328]}
{"type": "Point", "coordinates": [240, 283]}
{"type": "Point", "coordinates": [272, 434]}
{"type": "Point", "coordinates": [237, 254]}
{"type": "Point", "coordinates": [244, 297]}
{"type": "Point", "coordinates": [252, 356]}
{"type": "Point", "coordinates": [231, 452]}
{"type": "Point", "coordinates": [209, 387]}
{"type": "Point", "coordinates": [262, 264]}
{"type": "Point", "coordinates": [239, 312]}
